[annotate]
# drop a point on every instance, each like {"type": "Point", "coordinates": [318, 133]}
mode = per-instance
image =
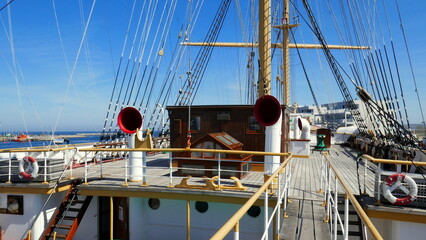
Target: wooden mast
{"type": "Point", "coordinates": [286, 55]}
{"type": "Point", "coordinates": [264, 80]}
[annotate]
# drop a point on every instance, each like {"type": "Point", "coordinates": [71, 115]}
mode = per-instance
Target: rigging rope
{"type": "Point", "coordinates": [411, 64]}
{"type": "Point", "coordinates": [306, 75]}
{"type": "Point", "coordinates": [7, 4]}
{"type": "Point", "coordinates": [117, 74]}
{"type": "Point", "coordinates": [75, 65]}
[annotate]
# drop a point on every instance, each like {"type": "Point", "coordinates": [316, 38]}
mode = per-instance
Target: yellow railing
{"type": "Point", "coordinates": [182, 150]}
{"type": "Point", "coordinates": [50, 149]}
{"type": "Point", "coordinates": [396, 162]}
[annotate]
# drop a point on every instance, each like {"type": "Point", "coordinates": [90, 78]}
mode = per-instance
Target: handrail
{"type": "Point", "coordinates": [35, 150]}
{"type": "Point", "coordinates": [366, 220]}
{"type": "Point", "coordinates": [401, 162]}
{"type": "Point", "coordinates": [182, 150]}
{"type": "Point", "coordinates": [227, 227]}
{"type": "Point", "coordinates": [28, 232]}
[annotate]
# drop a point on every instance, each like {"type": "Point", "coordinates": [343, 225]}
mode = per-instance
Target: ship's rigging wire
{"type": "Point", "coordinates": [334, 65]}
{"type": "Point", "coordinates": [7, 4]}
{"type": "Point", "coordinates": [117, 73]}
{"type": "Point", "coordinates": [139, 53]}
{"type": "Point", "coordinates": [75, 65]}
{"type": "Point", "coordinates": [306, 75]}
{"type": "Point", "coordinates": [411, 64]}
{"type": "Point", "coordinates": [204, 55]}
{"type": "Point", "coordinates": [158, 48]}
{"type": "Point", "coordinates": [15, 66]}
{"type": "Point", "coordinates": [153, 77]}
{"type": "Point", "coordinates": [174, 63]}
{"type": "Point", "coordinates": [60, 37]}
{"type": "Point", "coordinates": [397, 69]}
{"type": "Point", "coordinates": [116, 106]}
{"type": "Point", "coordinates": [143, 42]}
{"type": "Point", "coordinates": [405, 137]}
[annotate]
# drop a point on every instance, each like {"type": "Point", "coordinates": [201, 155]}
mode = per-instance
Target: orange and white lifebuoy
{"type": "Point", "coordinates": [395, 181]}
{"type": "Point", "coordinates": [31, 168]}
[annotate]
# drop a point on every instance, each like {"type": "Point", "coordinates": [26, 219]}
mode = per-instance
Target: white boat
{"type": "Point", "coordinates": [219, 171]}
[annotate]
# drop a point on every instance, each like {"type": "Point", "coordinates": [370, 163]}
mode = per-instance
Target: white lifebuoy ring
{"type": "Point", "coordinates": [395, 181]}
{"type": "Point", "coordinates": [31, 170]}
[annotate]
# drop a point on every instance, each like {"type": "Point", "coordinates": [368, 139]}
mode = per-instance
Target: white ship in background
{"type": "Point", "coordinates": [167, 167]}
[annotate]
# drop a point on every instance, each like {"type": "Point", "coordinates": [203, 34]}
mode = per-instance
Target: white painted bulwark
{"type": "Point", "coordinates": [396, 230]}
{"type": "Point", "coordinates": [147, 223]}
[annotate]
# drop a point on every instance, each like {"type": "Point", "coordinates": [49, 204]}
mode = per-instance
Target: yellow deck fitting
{"type": "Point", "coordinates": [210, 184]}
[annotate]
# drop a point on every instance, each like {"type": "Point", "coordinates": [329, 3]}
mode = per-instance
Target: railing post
{"type": "Point", "coordinates": [218, 169]}
{"type": "Point", "coordinates": [10, 169]}
{"type": "Point", "coordinates": [45, 168]}
{"type": "Point", "coordinates": [144, 183]}
{"type": "Point", "coordinates": [101, 159]}
{"type": "Point", "coordinates": [286, 183]}
{"type": "Point", "coordinates": [335, 210]}
{"type": "Point", "coordinates": [170, 170]}
{"type": "Point", "coordinates": [365, 174]}
{"type": "Point", "coordinates": [328, 195]}
{"type": "Point", "coordinates": [125, 172]}
{"type": "Point", "coordinates": [237, 231]}
{"type": "Point", "coordinates": [346, 217]}
{"type": "Point", "coordinates": [322, 188]}
{"type": "Point", "coordinates": [266, 214]}
{"type": "Point", "coordinates": [85, 168]}
{"type": "Point", "coordinates": [278, 214]}
{"type": "Point", "coordinates": [378, 182]}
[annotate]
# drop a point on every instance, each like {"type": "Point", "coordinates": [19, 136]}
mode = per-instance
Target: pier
{"type": "Point", "coordinates": [44, 137]}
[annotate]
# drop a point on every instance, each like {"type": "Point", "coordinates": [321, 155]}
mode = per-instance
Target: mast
{"type": "Point", "coordinates": [286, 55]}
{"type": "Point", "coordinates": [264, 80]}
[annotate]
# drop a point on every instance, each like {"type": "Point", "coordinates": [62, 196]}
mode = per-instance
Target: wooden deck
{"type": "Point", "coordinates": [305, 211]}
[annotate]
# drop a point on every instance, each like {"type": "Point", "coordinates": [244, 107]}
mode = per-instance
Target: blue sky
{"type": "Point", "coordinates": [34, 94]}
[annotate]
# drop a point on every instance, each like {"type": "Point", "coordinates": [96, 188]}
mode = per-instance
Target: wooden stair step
{"type": "Point", "coordinates": [350, 233]}
{"type": "Point", "coordinates": [73, 209]}
{"type": "Point", "coordinates": [67, 217]}
{"type": "Point", "coordinates": [62, 236]}
{"type": "Point", "coordinates": [62, 226]}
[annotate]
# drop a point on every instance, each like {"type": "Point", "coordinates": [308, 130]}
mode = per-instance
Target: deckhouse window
{"type": "Point", "coordinates": [195, 124]}
{"type": "Point", "coordinates": [253, 125]}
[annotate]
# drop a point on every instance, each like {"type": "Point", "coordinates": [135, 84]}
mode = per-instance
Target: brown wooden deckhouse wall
{"type": "Point", "coordinates": [236, 120]}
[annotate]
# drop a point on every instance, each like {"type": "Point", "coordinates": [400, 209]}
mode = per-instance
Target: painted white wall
{"type": "Point", "coordinates": [395, 230]}
{"type": "Point", "coordinates": [88, 228]}
{"type": "Point", "coordinates": [169, 221]}
{"type": "Point", "coordinates": [15, 226]}
{"type": "Point", "coordinates": [136, 219]}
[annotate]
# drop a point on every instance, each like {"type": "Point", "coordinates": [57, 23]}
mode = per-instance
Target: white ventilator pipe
{"type": "Point", "coordinates": [130, 121]}
{"type": "Point", "coordinates": [305, 127]}
{"type": "Point", "coordinates": [267, 112]}
{"type": "Point", "coordinates": [135, 160]}
{"type": "Point", "coordinates": [273, 144]}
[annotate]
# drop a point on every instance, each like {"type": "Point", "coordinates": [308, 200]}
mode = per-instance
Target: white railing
{"type": "Point", "coordinates": [380, 174]}
{"type": "Point", "coordinates": [283, 180]}
{"type": "Point", "coordinates": [334, 184]}
{"type": "Point", "coordinates": [120, 170]}
{"type": "Point", "coordinates": [48, 171]}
